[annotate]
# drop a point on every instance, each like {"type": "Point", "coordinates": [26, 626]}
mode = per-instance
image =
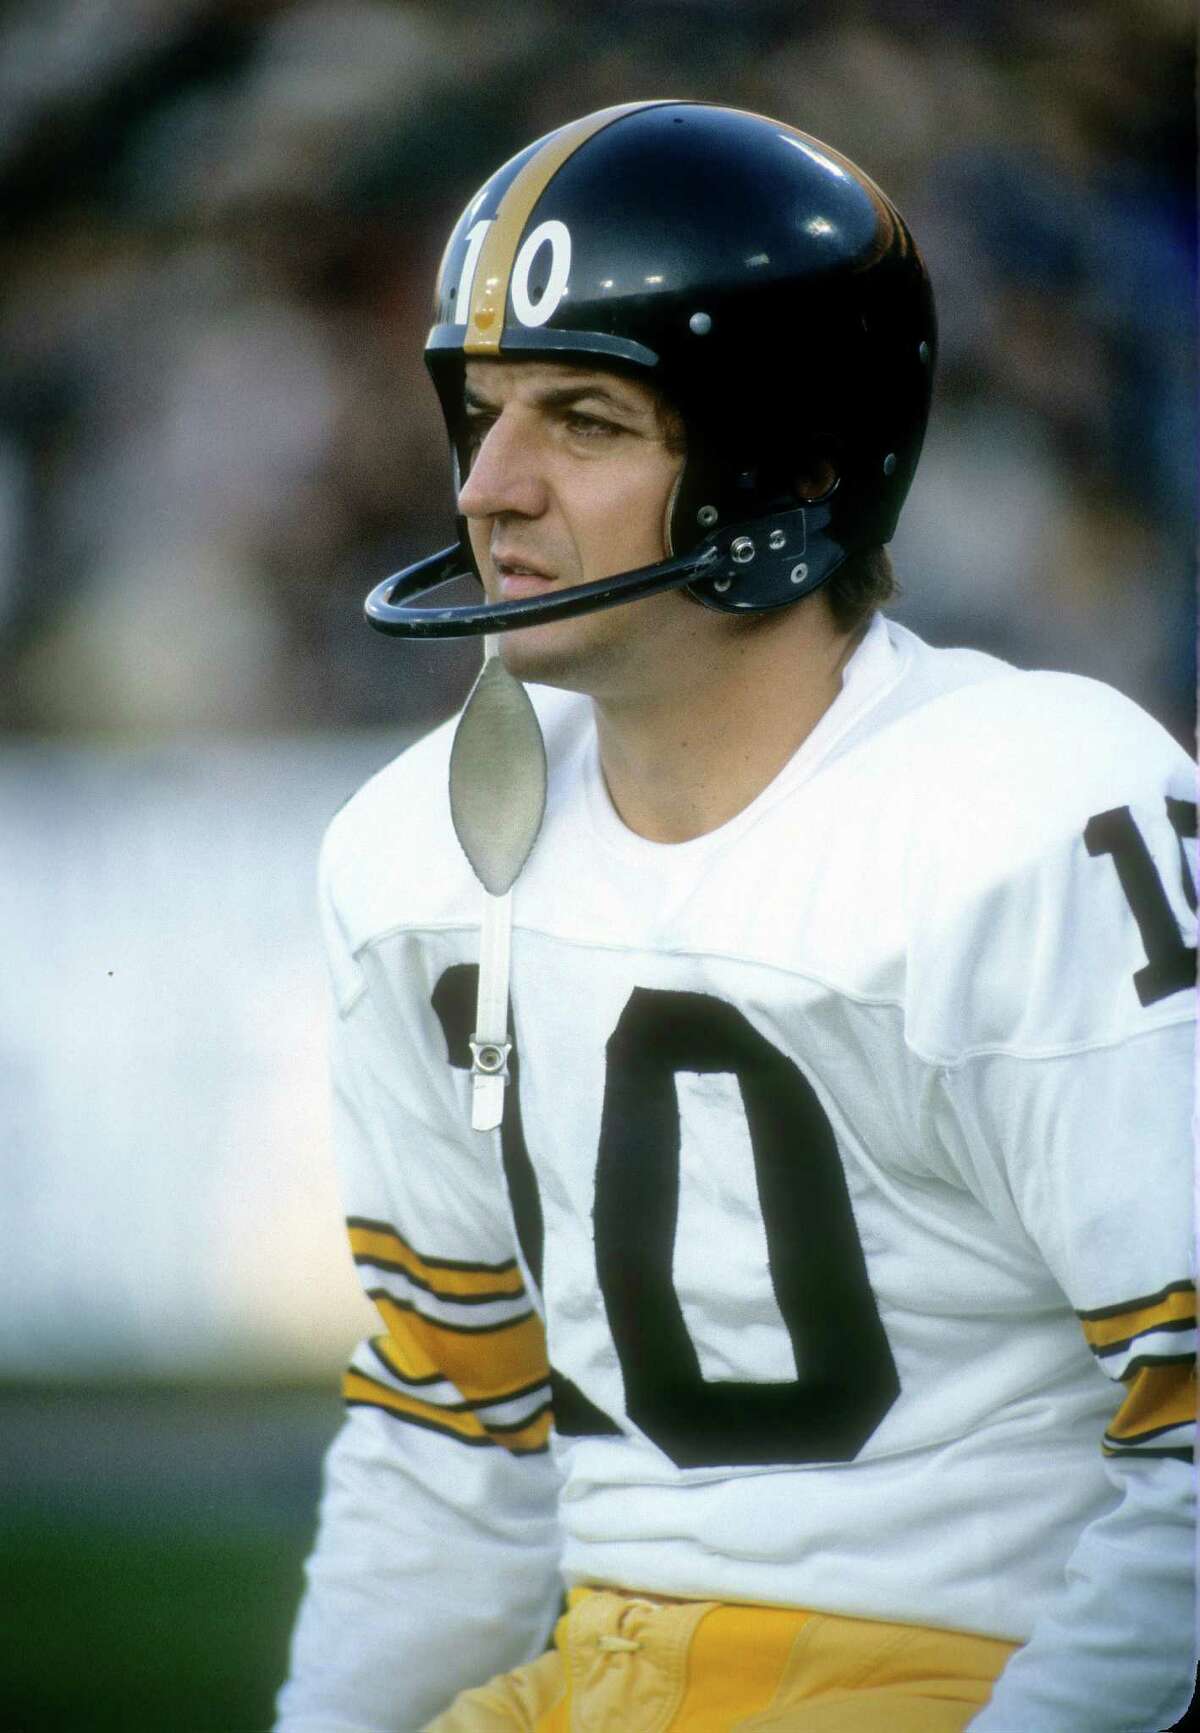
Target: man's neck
{"type": "Point", "coordinates": [686, 760]}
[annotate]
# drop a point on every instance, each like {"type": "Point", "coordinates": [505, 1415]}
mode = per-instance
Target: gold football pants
{"type": "Point", "coordinates": [629, 1664]}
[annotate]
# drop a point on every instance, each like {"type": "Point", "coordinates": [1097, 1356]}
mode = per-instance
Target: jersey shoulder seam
{"type": "Point", "coordinates": [935, 1060]}
{"type": "Point", "coordinates": [1059, 1050]}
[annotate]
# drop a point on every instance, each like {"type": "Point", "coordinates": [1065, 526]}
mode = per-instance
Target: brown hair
{"type": "Point", "coordinates": [671, 428]}
{"type": "Point", "coordinates": [862, 583]}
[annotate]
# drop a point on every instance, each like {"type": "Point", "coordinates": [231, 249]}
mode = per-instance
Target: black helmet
{"type": "Point", "coordinates": [759, 280]}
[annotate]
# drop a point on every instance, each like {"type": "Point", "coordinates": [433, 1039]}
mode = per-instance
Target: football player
{"type": "Point", "coordinates": [762, 1046]}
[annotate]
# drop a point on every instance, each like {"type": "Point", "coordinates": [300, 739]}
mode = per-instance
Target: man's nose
{"type": "Point", "coordinates": [504, 476]}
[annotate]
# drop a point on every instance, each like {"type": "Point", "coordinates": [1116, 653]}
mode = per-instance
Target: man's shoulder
{"type": "Point", "coordinates": [407, 786]}
{"type": "Point", "coordinates": [390, 856]}
{"type": "Point", "coordinates": [992, 803]}
{"type": "Point", "coordinates": [967, 790]}
{"type": "Point", "coordinates": [995, 745]}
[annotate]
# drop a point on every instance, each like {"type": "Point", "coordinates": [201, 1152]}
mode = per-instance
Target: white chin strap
{"type": "Point", "coordinates": [497, 799]}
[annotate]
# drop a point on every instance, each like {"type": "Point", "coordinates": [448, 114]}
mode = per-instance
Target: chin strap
{"type": "Point", "coordinates": [497, 800]}
{"type": "Point", "coordinates": [778, 557]}
{"type": "Point", "coordinates": [490, 1045]}
{"type": "Point", "coordinates": [389, 606]}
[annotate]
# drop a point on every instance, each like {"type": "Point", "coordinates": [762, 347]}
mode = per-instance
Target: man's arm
{"type": "Point", "coordinates": [415, 1592]}
{"type": "Point", "coordinates": [1075, 1108]}
{"type": "Point", "coordinates": [436, 1560]}
{"type": "Point", "coordinates": [1115, 1653]}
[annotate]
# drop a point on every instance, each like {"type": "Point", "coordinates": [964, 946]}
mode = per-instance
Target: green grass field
{"type": "Point", "coordinates": [167, 1628]}
{"type": "Point", "coordinates": [151, 1545]}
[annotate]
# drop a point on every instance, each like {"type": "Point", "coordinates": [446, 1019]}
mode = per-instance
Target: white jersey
{"type": "Point", "coordinates": [840, 1213]}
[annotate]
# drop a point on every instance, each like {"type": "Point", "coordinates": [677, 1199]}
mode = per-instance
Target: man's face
{"type": "Point", "coordinates": [570, 480]}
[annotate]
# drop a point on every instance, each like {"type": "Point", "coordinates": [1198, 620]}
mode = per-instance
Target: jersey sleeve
{"type": "Point", "coordinates": [1068, 1108]}
{"type": "Point", "coordinates": [436, 1559]}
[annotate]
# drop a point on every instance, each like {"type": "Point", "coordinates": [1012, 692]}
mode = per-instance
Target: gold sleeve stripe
{"type": "Point", "coordinates": [490, 289]}
{"type": "Point", "coordinates": [1114, 1327]}
{"type": "Point", "coordinates": [383, 1349]}
{"type": "Point", "coordinates": [462, 1422]}
{"type": "Point", "coordinates": [484, 1364]}
{"type": "Point", "coordinates": [525, 1438]}
{"type": "Point", "coordinates": [471, 1284]}
{"type": "Point", "coordinates": [1160, 1399]}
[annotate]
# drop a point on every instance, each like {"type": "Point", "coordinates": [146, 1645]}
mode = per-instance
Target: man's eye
{"type": "Point", "coordinates": [588, 426]}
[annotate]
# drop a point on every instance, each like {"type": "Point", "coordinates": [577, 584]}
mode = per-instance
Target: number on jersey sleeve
{"type": "Point", "coordinates": [1170, 964]}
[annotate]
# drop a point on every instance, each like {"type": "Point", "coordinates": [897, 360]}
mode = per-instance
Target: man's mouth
{"type": "Point", "coordinates": [518, 566]}
{"type": "Point", "coordinates": [519, 576]}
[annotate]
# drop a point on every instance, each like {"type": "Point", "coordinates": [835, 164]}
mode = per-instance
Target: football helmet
{"type": "Point", "coordinates": [759, 280]}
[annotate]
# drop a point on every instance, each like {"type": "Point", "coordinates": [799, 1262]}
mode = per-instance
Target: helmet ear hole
{"type": "Point", "coordinates": [816, 480]}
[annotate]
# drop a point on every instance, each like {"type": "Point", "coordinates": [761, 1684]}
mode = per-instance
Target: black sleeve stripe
{"type": "Point", "coordinates": [516, 1396]}
{"type": "Point", "coordinates": [378, 1294]}
{"type": "Point", "coordinates": [467, 1405]}
{"type": "Point", "coordinates": [513, 1425]}
{"type": "Point", "coordinates": [1180, 1455]}
{"type": "Point", "coordinates": [1145, 1362]}
{"type": "Point", "coordinates": [365, 1261]}
{"type": "Point", "coordinates": [1177, 1324]}
{"type": "Point", "coordinates": [460, 1407]}
{"type": "Point", "coordinates": [375, 1227]}
{"type": "Point", "coordinates": [1139, 1304]}
{"type": "Point", "coordinates": [484, 1443]}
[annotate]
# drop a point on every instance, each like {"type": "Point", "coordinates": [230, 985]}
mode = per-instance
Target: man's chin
{"type": "Point", "coordinates": [559, 653]}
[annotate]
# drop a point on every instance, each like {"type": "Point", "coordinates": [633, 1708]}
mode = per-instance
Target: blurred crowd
{"type": "Point", "coordinates": [223, 218]}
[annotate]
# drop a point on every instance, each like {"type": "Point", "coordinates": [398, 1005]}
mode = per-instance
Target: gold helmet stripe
{"type": "Point", "coordinates": [490, 289]}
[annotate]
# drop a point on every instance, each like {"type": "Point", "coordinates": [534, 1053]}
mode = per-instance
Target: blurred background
{"type": "Point", "coordinates": [221, 224]}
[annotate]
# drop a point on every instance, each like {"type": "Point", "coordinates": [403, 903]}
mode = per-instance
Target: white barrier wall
{"type": "Point", "coordinates": [167, 1199]}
